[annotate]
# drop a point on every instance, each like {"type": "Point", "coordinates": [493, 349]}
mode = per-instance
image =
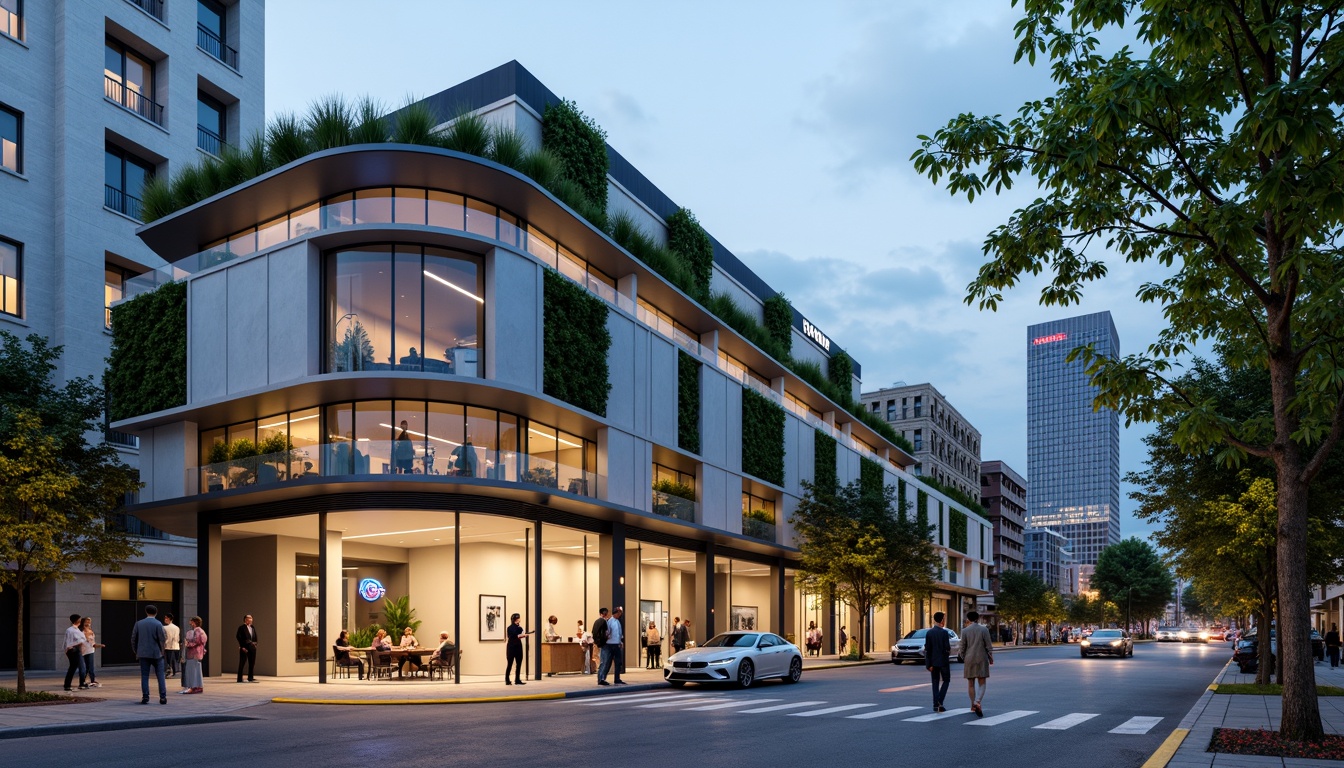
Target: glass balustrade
{"type": "Point", "coordinates": [757, 528]}
{"type": "Point", "coordinates": [667, 505]}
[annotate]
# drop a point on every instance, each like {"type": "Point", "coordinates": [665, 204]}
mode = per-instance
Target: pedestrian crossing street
{"type": "Point", "coordinates": [757, 705]}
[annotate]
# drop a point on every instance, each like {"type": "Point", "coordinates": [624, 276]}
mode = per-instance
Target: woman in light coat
{"type": "Point", "coordinates": [194, 649]}
{"type": "Point", "coordinates": [653, 647]}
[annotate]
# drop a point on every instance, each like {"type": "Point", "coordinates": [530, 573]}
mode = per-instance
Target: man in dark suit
{"type": "Point", "coordinates": [247, 650]}
{"type": "Point", "coordinates": [938, 659]}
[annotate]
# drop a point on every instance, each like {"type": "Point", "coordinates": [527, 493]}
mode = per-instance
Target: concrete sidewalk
{"type": "Point", "coordinates": [1215, 710]}
{"type": "Point", "coordinates": [116, 705]}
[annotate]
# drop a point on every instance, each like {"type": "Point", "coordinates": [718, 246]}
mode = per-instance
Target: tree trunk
{"type": "Point", "coordinates": [20, 685]}
{"type": "Point", "coordinates": [1263, 669]}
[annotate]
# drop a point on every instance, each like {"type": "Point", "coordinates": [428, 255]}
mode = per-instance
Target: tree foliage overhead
{"type": "Point", "coordinates": [1131, 574]}
{"type": "Point", "coordinates": [1209, 148]}
{"type": "Point", "coordinates": [59, 494]}
{"type": "Point", "coordinates": [854, 542]}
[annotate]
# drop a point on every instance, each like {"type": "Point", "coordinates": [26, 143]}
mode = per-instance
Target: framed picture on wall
{"type": "Point", "coordinates": [743, 618]}
{"type": "Point", "coordinates": [492, 617]}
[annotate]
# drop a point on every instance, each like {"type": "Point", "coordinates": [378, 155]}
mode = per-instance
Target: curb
{"type": "Point", "coordinates": [101, 726]}
{"type": "Point", "coordinates": [1173, 742]}
{"type": "Point", "coordinates": [1168, 749]}
{"type": "Point", "coordinates": [477, 699]}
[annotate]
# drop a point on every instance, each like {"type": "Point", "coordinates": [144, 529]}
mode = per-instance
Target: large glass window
{"type": "Point", "coordinates": [408, 308]}
{"type": "Point", "coordinates": [211, 32]}
{"type": "Point", "coordinates": [114, 284]}
{"type": "Point", "coordinates": [11, 18]}
{"type": "Point", "coordinates": [11, 277]}
{"type": "Point", "coordinates": [129, 81]}
{"type": "Point", "coordinates": [210, 124]}
{"type": "Point", "coordinates": [124, 177]}
{"type": "Point", "coordinates": [11, 140]}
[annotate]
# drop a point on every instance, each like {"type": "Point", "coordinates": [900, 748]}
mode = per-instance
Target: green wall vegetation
{"type": "Point", "coordinates": [956, 526]}
{"type": "Point", "coordinates": [575, 345]}
{"type": "Point", "coordinates": [825, 474]}
{"type": "Point", "coordinates": [871, 479]}
{"type": "Point", "coordinates": [922, 505]}
{"type": "Point", "coordinates": [581, 146]}
{"type": "Point", "coordinates": [689, 240]}
{"type": "Point", "coordinates": [688, 402]}
{"type": "Point", "coordinates": [840, 370]}
{"type": "Point", "coordinates": [901, 502]}
{"type": "Point", "coordinates": [147, 370]}
{"type": "Point", "coordinates": [762, 438]}
{"type": "Point", "coordinates": [779, 321]}
{"type": "Point", "coordinates": [958, 495]}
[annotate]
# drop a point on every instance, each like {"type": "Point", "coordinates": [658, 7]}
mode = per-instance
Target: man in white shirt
{"type": "Point", "coordinates": [615, 640]}
{"type": "Point", "coordinates": [172, 649]}
{"type": "Point", "coordinates": [74, 653]}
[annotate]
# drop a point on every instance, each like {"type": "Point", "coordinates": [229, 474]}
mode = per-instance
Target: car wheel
{"type": "Point", "coordinates": [897, 662]}
{"type": "Point", "coordinates": [1131, 651]}
{"type": "Point", "coordinates": [1084, 654]}
{"type": "Point", "coordinates": [795, 670]}
{"type": "Point", "coordinates": [676, 683]}
{"type": "Point", "coordinates": [746, 674]}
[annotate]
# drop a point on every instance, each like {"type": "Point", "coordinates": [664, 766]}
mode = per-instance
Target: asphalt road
{"type": "Point", "coordinates": [1084, 704]}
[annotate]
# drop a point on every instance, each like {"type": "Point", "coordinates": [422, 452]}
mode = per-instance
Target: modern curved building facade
{"type": "Point", "coordinates": [372, 320]}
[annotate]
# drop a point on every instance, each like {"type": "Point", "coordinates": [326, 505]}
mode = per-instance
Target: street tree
{"type": "Point", "coordinates": [1081, 609]}
{"type": "Point", "coordinates": [1208, 145]}
{"type": "Point", "coordinates": [1023, 597]}
{"type": "Point", "coordinates": [1132, 575]}
{"type": "Point", "coordinates": [1194, 605]}
{"type": "Point", "coordinates": [59, 493]}
{"type": "Point", "coordinates": [855, 545]}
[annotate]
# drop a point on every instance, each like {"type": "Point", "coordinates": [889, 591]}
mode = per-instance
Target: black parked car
{"type": "Point", "coordinates": [1246, 654]}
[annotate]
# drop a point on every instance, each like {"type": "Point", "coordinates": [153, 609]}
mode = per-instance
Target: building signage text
{"type": "Point", "coordinates": [1039, 340]}
{"type": "Point", "coordinates": [812, 332]}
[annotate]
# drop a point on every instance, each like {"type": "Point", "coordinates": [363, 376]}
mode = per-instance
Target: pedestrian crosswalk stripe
{"type": "Point", "coordinates": [1005, 717]}
{"type": "Point", "coordinates": [1137, 725]}
{"type": "Point", "coordinates": [669, 703]}
{"type": "Point", "coordinates": [830, 710]}
{"type": "Point", "coordinates": [617, 697]}
{"type": "Point", "coordinates": [1066, 722]}
{"type": "Point", "coordinates": [937, 716]}
{"type": "Point", "coordinates": [880, 713]}
{"type": "Point", "coordinates": [778, 707]}
{"type": "Point", "coordinates": [729, 705]}
{"type": "Point", "coordinates": [608, 702]}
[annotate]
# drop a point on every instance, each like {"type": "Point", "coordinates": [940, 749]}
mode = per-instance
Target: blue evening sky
{"type": "Point", "coordinates": [786, 127]}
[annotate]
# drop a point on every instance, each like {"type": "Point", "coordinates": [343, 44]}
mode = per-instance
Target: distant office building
{"type": "Point", "coordinates": [947, 447]}
{"type": "Point", "coordinates": [1047, 555]}
{"type": "Point", "coordinates": [1073, 451]}
{"type": "Point", "coordinates": [1003, 494]}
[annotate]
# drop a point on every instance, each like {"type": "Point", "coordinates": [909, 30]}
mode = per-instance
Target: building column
{"type": "Point", "coordinates": [536, 601]}
{"type": "Point", "coordinates": [828, 634]}
{"type": "Point", "coordinates": [209, 584]}
{"type": "Point", "coordinates": [329, 564]}
{"type": "Point", "coordinates": [611, 584]}
{"type": "Point", "coordinates": [781, 597]}
{"type": "Point", "coordinates": [704, 581]}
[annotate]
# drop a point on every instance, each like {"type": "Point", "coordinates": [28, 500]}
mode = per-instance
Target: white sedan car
{"type": "Point", "coordinates": [736, 657]}
{"type": "Point", "coordinates": [911, 647]}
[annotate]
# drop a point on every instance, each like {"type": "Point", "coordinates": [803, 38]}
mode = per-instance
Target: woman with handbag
{"type": "Point", "coordinates": [194, 648]}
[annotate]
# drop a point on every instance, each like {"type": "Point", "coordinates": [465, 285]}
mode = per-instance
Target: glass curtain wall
{"type": "Point", "coordinates": [665, 591]}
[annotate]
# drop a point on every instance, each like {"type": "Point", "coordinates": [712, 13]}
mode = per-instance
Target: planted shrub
{"type": "Point", "coordinates": [581, 146]}
{"type": "Point", "coordinates": [575, 345]}
{"type": "Point", "coordinates": [629, 235]}
{"type": "Point", "coordinates": [840, 370]}
{"type": "Point", "coordinates": [688, 402]}
{"type": "Point", "coordinates": [686, 238]}
{"type": "Point", "coordinates": [762, 438]}
{"type": "Point", "coordinates": [779, 321]}
{"type": "Point", "coordinates": [825, 475]}
{"type": "Point", "coordinates": [958, 495]}
{"type": "Point", "coordinates": [672, 488]}
{"type": "Point", "coordinates": [147, 369]}
{"type": "Point", "coordinates": [870, 476]}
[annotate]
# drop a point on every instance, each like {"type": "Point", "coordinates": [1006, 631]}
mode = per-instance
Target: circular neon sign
{"type": "Point", "coordinates": [371, 589]}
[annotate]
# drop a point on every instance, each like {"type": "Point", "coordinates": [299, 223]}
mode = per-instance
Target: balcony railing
{"type": "Point", "coordinates": [210, 43]}
{"type": "Point", "coordinates": [384, 458]}
{"type": "Point", "coordinates": [121, 202]}
{"type": "Point", "coordinates": [949, 576]}
{"type": "Point", "coordinates": [209, 141]}
{"type": "Point", "coordinates": [667, 505]}
{"type": "Point", "coordinates": [757, 528]}
{"type": "Point", "coordinates": [152, 7]}
{"type": "Point", "coordinates": [116, 91]}
{"type": "Point", "coordinates": [121, 439]}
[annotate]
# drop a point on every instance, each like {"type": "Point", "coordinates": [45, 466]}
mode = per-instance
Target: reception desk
{"type": "Point", "coordinates": [561, 657]}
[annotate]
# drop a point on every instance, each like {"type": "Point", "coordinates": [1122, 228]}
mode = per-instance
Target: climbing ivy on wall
{"type": "Point", "coordinates": [147, 370]}
{"type": "Point", "coordinates": [575, 345]}
{"type": "Point", "coordinates": [686, 238]}
{"type": "Point", "coordinates": [956, 525]}
{"type": "Point", "coordinates": [870, 477]}
{"type": "Point", "coordinates": [779, 321]}
{"type": "Point", "coordinates": [688, 403]}
{"type": "Point", "coordinates": [825, 476]}
{"type": "Point", "coordinates": [581, 146]}
{"type": "Point", "coordinates": [762, 438]}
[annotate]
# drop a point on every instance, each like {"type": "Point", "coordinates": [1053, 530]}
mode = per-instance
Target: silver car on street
{"type": "Point", "coordinates": [911, 647]}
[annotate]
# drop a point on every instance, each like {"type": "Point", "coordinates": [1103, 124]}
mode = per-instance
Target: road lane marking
{"type": "Point", "coordinates": [1066, 722]}
{"type": "Point", "coordinates": [1005, 717]}
{"type": "Point", "coordinates": [607, 703]}
{"type": "Point", "coordinates": [903, 688]}
{"type": "Point", "coordinates": [669, 703]}
{"type": "Point", "coordinates": [881, 713]}
{"type": "Point", "coordinates": [1039, 663]}
{"type": "Point", "coordinates": [937, 716]}
{"type": "Point", "coordinates": [778, 707]}
{"type": "Point", "coordinates": [1136, 725]}
{"type": "Point", "coordinates": [730, 705]}
{"type": "Point", "coordinates": [830, 710]}
{"type": "Point", "coordinates": [617, 697]}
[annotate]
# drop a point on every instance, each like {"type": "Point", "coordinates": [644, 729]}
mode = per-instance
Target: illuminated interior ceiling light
{"type": "Point", "coordinates": [457, 288]}
{"type": "Point", "coordinates": [281, 423]}
{"type": "Point", "coordinates": [418, 434]}
{"type": "Point", "coordinates": [549, 437]}
{"type": "Point", "coordinates": [401, 533]}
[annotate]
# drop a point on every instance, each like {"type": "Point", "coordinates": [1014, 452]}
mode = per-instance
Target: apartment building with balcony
{"type": "Point", "coordinates": [947, 445]}
{"type": "Point", "coordinates": [388, 319]}
{"type": "Point", "coordinates": [1003, 493]}
{"type": "Point", "coordinates": [96, 97]}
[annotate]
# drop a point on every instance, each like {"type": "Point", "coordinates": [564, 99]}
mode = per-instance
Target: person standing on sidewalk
{"type": "Point", "coordinates": [1332, 645]}
{"type": "Point", "coordinates": [977, 655]}
{"type": "Point", "coordinates": [90, 646]}
{"type": "Point", "coordinates": [172, 650]}
{"type": "Point", "coordinates": [600, 631]}
{"type": "Point", "coordinates": [247, 649]}
{"type": "Point", "coordinates": [616, 643]}
{"type": "Point", "coordinates": [148, 639]}
{"type": "Point", "coordinates": [513, 650]}
{"type": "Point", "coordinates": [680, 634]}
{"type": "Point", "coordinates": [938, 659]}
{"type": "Point", "coordinates": [192, 681]}
{"type": "Point", "coordinates": [74, 653]}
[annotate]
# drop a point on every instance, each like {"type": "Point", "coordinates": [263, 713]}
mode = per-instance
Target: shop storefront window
{"type": "Point", "coordinates": [307, 598]}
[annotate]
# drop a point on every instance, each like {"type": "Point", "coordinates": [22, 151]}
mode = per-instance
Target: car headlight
{"type": "Point", "coordinates": [1087, 642]}
{"type": "Point", "coordinates": [721, 662]}
{"type": "Point", "coordinates": [1116, 643]}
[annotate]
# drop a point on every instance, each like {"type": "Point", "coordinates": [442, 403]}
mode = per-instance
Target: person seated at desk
{"type": "Point", "coordinates": [343, 658]}
{"type": "Point", "coordinates": [464, 459]}
{"type": "Point", "coordinates": [409, 642]}
{"type": "Point", "coordinates": [445, 654]}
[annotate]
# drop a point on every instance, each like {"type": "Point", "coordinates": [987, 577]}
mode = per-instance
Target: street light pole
{"type": "Point", "coordinates": [1129, 609]}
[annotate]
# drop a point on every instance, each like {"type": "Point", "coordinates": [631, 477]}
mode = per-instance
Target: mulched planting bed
{"type": "Point", "coordinates": [10, 698]}
{"type": "Point", "coordinates": [1273, 689]}
{"type": "Point", "coordinates": [1232, 741]}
